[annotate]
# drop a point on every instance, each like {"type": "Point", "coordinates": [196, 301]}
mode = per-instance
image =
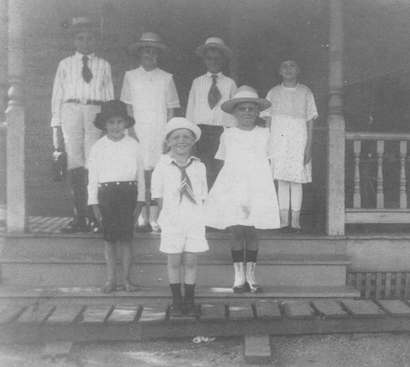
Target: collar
{"type": "Point", "coordinates": [219, 75]}
{"type": "Point", "coordinates": [147, 72]}
{"type": "Point", "coordinates": [170, 160]}
{"type": "Point", "coordinates": [80, 56]}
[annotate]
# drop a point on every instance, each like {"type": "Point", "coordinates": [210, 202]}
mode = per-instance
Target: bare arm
{"type": "Point", "coordinates": [308, 148]}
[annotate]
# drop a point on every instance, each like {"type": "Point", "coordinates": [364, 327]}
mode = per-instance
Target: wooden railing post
{"type": "Point", "coordinates": [335, 206]}
{"type": "Point", "coordinates": [15, 117]}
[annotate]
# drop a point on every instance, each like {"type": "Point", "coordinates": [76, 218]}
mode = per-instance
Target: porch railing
{"type": "Point", "coordinates": [376, 169]}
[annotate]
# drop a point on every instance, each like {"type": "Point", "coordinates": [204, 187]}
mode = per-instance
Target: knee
{"type": "Point", "coordinates": [190, 263]}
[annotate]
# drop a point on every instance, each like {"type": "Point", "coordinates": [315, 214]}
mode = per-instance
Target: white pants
{"type": "Point", "coordinates": [79, 132]}
{"type": "Point", "coordinates": [290, 193]}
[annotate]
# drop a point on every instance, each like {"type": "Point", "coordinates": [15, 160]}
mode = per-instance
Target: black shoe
{"type": "Point", "coordinates": [190, 309]}
{"type": "Point", "coordinates": [75, 227]}
{"type": "Point", "coordinates": [241, 289]}
{"type": "Point", "coordinates": [146, 228]}
{"type": "Point", "coordinates": [94, 226]}
{"type": "Point", "coordinates": [175, 310]}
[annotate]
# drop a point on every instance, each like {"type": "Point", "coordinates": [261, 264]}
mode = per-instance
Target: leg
{"type": "Point", "coordinates": [251, 253]}
{"type": "Point", "coordinates": [296, 196]}
{"type": "Point", "coordinates": [109, 253]}
{"type": "Point", "coordinates": [237, 249]}
{"type": "Point", "coordinates": [283, 198]}
{"type": "Point", "coordinates": [190, 269]}
{"type": "Point", "coordinates": [174, 276]}
{"type": "Point", "coordinates": [143, 220]}
{"type": "Point", "coordinates": [126, 266]}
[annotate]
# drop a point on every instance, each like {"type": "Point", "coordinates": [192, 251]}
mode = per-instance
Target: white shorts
{"type": "Point", "coordinates": [177, 244]}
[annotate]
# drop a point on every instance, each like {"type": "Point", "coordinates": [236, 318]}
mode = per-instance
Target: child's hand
{"type": "Point", "coordinates": [308, 155]}
{"type": "Point", "coordinates": [97, 214]}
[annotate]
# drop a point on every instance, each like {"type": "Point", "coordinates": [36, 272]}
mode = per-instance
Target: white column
{"type": "Point", "coordinates": [335, 206]}
{"type": "Point", "coordinates": [15, 117]}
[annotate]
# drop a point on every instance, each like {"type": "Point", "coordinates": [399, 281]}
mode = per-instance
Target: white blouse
{"type": "Point", "coordinates": [115, 161]}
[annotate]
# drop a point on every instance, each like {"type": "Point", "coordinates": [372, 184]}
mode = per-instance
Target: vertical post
{"type": "Point", "coordinates": [3, 99]}
{"type": "Point", "coordinates": [379, 178]}
{"type": "Point", "coordinates": [335, 206]}
{"type": "Point", "coordinates": [403, 178]}
{"type": "Point", "coordinates": [15, 117]}
{"type": "Point", "coordinates": [357, 198]}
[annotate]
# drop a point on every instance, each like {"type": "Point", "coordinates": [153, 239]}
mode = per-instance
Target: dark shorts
{"type": "Point", "coordinates": [117, 201]}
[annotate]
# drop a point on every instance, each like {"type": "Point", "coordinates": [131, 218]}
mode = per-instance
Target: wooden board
{"type": "Point", "coordinates": [124, 314]}
{"type": "Point", "coordinates": [35, 314]}
{"type": "Point", "coordinates": [268, 310]}
{"type": "Point", "coordinates": [9, 313]}
{"type": "Point", "coordinates": [213, 311]}
{"type": "Point", "coordinates": [329, 309]}
{"type": "Point", "coordinates": [65, 314]}
{"type": "Point", "coordinates": [395, 307]}
{"type": "Point", "coordinates": [96, 314]}
{"type": "Point", "coordinates": [56, 349]}
{"type": "Point", "coordinates": [363, 308]}
{"type": "Point", "coordinates": [153, 313]}
{"type": "Point", "coordinates": [298, 310]}
{"type": "Point", "coordinates": [257, 349]}
{"type": "Point", "coordinates": [238, 311]}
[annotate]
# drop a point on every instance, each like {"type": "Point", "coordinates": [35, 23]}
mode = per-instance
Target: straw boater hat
{"type": "Point", "coordinates": [245, 94]}
{"type": "Point", "coordinates": [81, 24]}
{"type": "Point", "coordinates": [214, 42]}
{"type": "Point", "coordinates": [181, 123]}
{"type": "Point", "coordinates": [148, 39]}
{"type": "Point", "coordinates": [113, 108]}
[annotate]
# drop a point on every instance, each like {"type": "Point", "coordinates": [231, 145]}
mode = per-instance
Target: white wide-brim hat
{"type": "Point", "coordinates": [148, 39]}
{"type": "Point", "coordinates": [245, 94]}
{"type": "Point", "coordinates": [214, 42]}
{"type": "Point", "coordinates": [181, 123]}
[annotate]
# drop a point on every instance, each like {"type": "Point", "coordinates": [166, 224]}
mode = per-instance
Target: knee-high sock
{"type": "Point", "coordinates": [78, 182]}
{"type": "Point", "coordinates": [296, 196]}
{"type": "Point", "coordinates": [283, 194]}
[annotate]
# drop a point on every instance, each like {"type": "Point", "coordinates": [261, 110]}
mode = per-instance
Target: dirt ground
{"type": "Point", "coordinates": [381, 350]}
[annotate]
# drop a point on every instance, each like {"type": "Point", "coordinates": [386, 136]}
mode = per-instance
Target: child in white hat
{"type": "Point", "coordinates": [206, 96]}
{"type": "Point", "coordinates": [152, 95]}
{"type": "Point", "coordinates": [243, 197]}
{"type": "Point", "coordinates": [292, 114]}
{"type": "Point", "coordinates": [179, 186]}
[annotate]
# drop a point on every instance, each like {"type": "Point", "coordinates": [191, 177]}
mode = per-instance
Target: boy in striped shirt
{"type": "Point", "coordinates": [82, 83]}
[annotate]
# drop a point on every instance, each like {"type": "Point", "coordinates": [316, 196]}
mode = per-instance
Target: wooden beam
{"type": "Point", "coordinates": [335, 206]}
{"type": "Point", "coordinates": [15, 117]}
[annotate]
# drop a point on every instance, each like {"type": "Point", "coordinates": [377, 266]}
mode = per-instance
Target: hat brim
{"type": "Point", "coordinates": [230, 105]}
{"type": "Point", "coordinates": [88, 27]}
{"type": "Point", "coordinates": [135, 47]}
{"type": "Point", "coordinates": [200, 51]}
{"type": "Point", "coordinates": [101, 119]}
{"type": "Point", "coordinates": [194, 129]}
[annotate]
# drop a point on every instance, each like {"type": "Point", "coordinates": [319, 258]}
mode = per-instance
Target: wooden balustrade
{"type": "Point", "coordinates": [379, 214]}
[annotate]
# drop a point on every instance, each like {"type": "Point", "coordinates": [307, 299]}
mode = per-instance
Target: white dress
{"type": "Point", "coordinates": [150, 93]}
{"type": "Point", "coordinates": [291, 109]}
{"type": "Point", "coordinates": [182, 222]}
{"type": "Point", "coordinates": [244, 192]}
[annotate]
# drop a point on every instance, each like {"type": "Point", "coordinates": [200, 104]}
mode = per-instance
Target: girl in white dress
{"type": "Point", "coordinates": [291, 117]}
{"type": "Point", "coordinates": [243, 197]}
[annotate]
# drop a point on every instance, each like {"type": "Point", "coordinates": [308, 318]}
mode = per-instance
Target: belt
{"type": "Point", "coordinates": [85, 101]}
{"type": "Point", "coordinates": [118, 183]}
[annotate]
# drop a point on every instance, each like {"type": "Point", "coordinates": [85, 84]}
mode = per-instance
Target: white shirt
{"type": "Point", "coordinates": [297, 102]}
{"type": "Point", "coordinates": [166, 181]}
{"type": "Point", "coordinates": [198, 110]}
{"type": "Point", "coordinates": [69, 83]}
{"type": "Point", "coordinates": [112, 161]}
{"type": "Point", "coordinates": [151, 94]}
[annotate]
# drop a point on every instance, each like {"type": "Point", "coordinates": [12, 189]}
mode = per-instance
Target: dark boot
{"type": "Point", "coordinates": [189, 304]}
{"type": "Point", "coordinates": [175, 309]}
{"type": "Point", "coordinates": [78, 183]}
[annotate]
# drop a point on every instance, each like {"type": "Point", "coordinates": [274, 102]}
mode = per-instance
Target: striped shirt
{"type": "Point", "coordinates": [198, 110]}
{"type": "Point", "coordinates": [69, 83]}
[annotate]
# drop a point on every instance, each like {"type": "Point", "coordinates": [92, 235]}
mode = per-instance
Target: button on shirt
{"type": "Point", "coordinates": [115, 161]}
{"type": "Point", "coordinates": [70, 84]}
{"type": "Point", "coordinates": [198, 110]}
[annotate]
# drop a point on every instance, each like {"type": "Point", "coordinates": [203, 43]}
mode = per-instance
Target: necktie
{"type": "Point", "coordinates": [86, 72]}
{"type": "Point", "coordinates": [214, 95]}
{"type": "Point", "coordinates": [185, 188]}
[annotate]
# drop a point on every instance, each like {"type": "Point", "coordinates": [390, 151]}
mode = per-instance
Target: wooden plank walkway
{"type": "Point", "coordinates": [50, 322]}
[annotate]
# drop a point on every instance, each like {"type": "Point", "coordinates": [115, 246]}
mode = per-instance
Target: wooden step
{"type": "Point", "coordinates": [150, 270]}
{"type": "Point", "coordinates": [94, 295]}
